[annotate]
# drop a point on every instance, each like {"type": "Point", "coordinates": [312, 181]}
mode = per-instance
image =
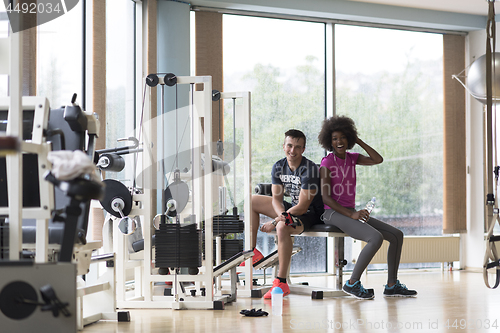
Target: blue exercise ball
{"type": "Point", "coordinates": [476, 79]}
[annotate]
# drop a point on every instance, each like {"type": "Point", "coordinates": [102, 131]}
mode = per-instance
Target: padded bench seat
{"type": "Point", "coordinates": [55, 234]}
{"type": "Point", "coordinates": [325, 228]}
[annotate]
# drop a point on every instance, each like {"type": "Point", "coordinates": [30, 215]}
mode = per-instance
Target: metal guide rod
{"type": "Point", "coordinates": [234, 155]}
{"type": "Point", "coordinates": [192, 144]}
{"type": "Point", "coordinates": [163, 152]}
{"type": "Point", "coordinates": [176, 129]}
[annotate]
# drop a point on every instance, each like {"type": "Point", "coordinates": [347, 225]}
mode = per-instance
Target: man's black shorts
{"type": "Point", "coordinates": [308, 219]}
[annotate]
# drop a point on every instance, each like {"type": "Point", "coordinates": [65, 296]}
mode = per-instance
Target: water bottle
{"type": "Point", "coordinates": [369, 207]}
{"type": "Point", "coordinates": [277, 301]}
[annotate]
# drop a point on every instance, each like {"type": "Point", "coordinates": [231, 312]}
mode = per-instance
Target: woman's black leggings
{"type": "Point", "coordinates": [373, 232]}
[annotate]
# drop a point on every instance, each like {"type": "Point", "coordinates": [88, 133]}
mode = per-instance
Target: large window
{"type": "Point", "coordinates": [4, 33]}
{"type": "Point", "coordinates": [4, 21]}
{"type": "Point", "coordinates": [59, 58]}
{"type": "Point", "coordinates": [120, 78]}
{"type": "Point", "coordinates": [282, 64]}
{"type": "Point", "coordinates": [390, 83]}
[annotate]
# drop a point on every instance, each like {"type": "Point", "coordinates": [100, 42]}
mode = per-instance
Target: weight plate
{"type": "Point", "coordinates": [11, 298]}
{"type": "Point", "coordinates": [114, 189]}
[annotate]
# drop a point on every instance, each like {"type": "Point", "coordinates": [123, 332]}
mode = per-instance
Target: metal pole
{"type": "Point", "coordinates": [162, 101]}
{"type": "Point", "coordinates": [234, 156]}
{"type": "Point", "coordinates": [191, 108]}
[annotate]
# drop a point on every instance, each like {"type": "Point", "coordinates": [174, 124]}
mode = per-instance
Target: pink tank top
{"type": "Point", "coordinates": [343, 178]}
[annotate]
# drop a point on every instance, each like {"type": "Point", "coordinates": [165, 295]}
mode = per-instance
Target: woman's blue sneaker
{"type": "Point", "coordinates": [399, 290]}
{"type": "Point", "coordinates": [357, 290]}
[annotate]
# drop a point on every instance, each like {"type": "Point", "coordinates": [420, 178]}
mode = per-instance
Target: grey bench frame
{"type": "Point", "coordinates": [324, 230]}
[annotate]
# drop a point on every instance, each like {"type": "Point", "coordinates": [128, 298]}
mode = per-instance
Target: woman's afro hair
{"type": "Point", "coordinates": [341, 124]}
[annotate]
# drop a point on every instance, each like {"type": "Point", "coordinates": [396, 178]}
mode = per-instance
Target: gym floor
{"type": "Point", "coordinates": [447, 301]}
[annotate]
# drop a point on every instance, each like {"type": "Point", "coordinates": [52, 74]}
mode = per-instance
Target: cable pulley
{"type": "Point", "coordinates": [215, 95]}
{"type": "Point", "coordinates": [177, 195]}
{"type": "Point", "coordinates": [168, 79]}
{"type": "Point", "coordinates": [152, 80]}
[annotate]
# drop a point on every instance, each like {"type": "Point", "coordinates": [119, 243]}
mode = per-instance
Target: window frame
{"type": "Point", "coordinates": [330, 77]}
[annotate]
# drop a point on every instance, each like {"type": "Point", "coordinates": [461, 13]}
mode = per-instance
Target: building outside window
{"type": "Point", "coordinates": [59, 58]}
{"type": "Point", "coordinates": [282, 64]}
{"type": "Point", "coordinates": [391, 83]}
{"type": "Point", "coordinates": [120, 81]}
{"type": "Point", "coordinates": [4, 33]}
{"type": "Point", "coordinates": [388, 81]}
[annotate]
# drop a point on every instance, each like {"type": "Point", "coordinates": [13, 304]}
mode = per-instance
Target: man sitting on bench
{"type": "Point", "coordinates": [298, 177]}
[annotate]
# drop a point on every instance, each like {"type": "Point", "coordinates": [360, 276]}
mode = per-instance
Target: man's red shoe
{"type": "Point", "coordinates": [277, 283]}
{"type": "Point", "coordinates": [257, 256]}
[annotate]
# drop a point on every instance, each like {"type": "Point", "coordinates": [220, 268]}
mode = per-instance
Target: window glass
{"type": "Point", "coordinates": [4, 21]}
{"type": "Point", "coordinates": [4, 33]}
{"type": "Point", "coordinates": [59, 58]}
{"type": "Point", "coordinates": [282, 64]}
{"type": "Point", "coordinates": [390, 83]}
{"type": "Point", "coordinates": [120, 96]}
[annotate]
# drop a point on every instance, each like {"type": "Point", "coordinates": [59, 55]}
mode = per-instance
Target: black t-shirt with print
{"type": "Point", "coordinates": [306, 177]}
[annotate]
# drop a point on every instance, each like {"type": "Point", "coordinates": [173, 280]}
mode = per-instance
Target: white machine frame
{"type": "Point", "coordinates": [37, 145]}
{"type": "Point", "coordinates": [39, 273]}
{"type": "Point", "coordinates": [102, 287]}
{"type": "Point", "coordinates": [137, 267]}
{"type": "Point", "coordinates": [244, 112]}
{"type": "Point", "coordinates": [145, 276]}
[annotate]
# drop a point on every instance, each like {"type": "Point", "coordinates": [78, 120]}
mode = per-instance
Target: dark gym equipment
{"type": "Point", "coordinates": [178, 245]}
{"type": "Point", "coordinates": [66, 129]}
{"type": "Point", "coordinates": [116, 193]}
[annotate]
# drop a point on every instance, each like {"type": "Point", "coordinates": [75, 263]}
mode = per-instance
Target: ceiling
{"type": "Point", "coordinates": [476, 7]}
{"type": "Point", "coordinates": [439, 15]}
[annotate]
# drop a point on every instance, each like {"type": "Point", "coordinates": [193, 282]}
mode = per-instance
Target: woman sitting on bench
{"type": "Point", "coordinates": [338, 187]}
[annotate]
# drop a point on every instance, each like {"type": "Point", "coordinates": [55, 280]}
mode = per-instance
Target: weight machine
{"type": "Point", "coordinates": [51, 242]}
{"type": "Point", "coordinates": [22, 281]}
{"type": "Point", "coordinates": [33, 294]}
{"type": "Point", "coordinates": [186, 219]}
